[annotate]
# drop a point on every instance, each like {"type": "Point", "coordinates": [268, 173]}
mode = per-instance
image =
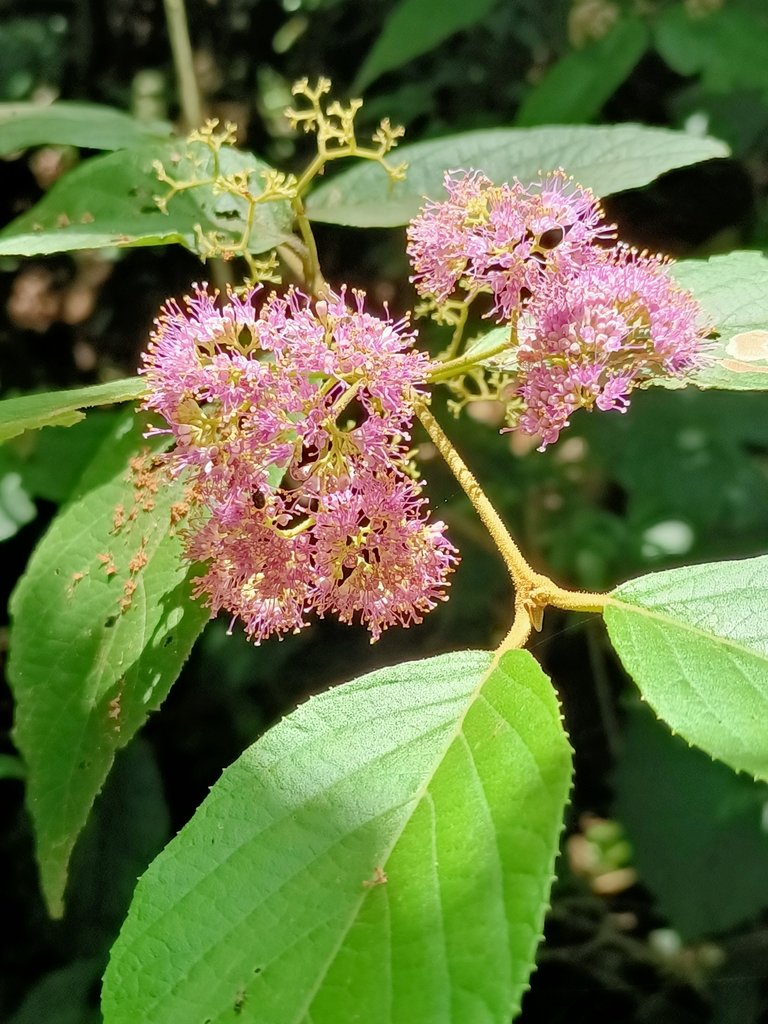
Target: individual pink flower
{"type": "Point", "coordinates": [589, 338]}
{"type": "Point", "coordinates": [504, 239]}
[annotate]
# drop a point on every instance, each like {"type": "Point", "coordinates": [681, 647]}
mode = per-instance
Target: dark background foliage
{"type": "Point", "coordinates": [659, 913]}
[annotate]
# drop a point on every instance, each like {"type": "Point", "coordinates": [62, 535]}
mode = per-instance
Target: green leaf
{"type": "Point", "coordinates": [414, 27]}
{"type": "Point", "coordinates": [697, 830]}
{"type": "Point", "coordinates": [62, 408]}
{"type": "Point", "coordinates": [85, 683]}
{"type": "Point", "coordinates": [109, 201]}
{"type": "Point", "coordinates": [727, 48]}
{"type": "Point", "coordinates": [576, 87]}
{"type": "Point", "coordinates": [383, 854]}
{"type": "Point", "coordinates": [11, 767]}
{"type": "Point", "coordinates": [492, 350]}
{"type": "Point", "coordinates": [733, 292]}
{"type": "Point", "coordinates": [87, 125]}
{"type": "Point", "coordinates": [695, 640]}
{"type": "Point", "coordinates": [606, 159]}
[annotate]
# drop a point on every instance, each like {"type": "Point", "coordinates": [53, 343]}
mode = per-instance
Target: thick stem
{"type": "Point", "coordinates": [534, 591]}
{"type": "Point", "coordinates": [183, 62]}
{"type": "Point", "coordinates": [518, 634]}
{"type": "Point", "coordinates": [517, 566]}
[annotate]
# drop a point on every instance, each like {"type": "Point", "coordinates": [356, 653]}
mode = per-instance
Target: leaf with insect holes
{"type": "Point", "coordinates": [101, 623]}
{"type": "Point", "coordinates": [110, 202]}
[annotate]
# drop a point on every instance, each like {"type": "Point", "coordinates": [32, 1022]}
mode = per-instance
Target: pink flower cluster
{"type": "Point", "coordinates": [291, 427]}
{"type": "Point", "coordinates": [587, 340]}
{"type": "Point", "coordinates": [506, 239]}
{"type": "Point", "coordinates": [591, 323]}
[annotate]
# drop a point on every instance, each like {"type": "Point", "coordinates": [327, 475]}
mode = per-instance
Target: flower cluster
{"type": "Point", "coordinates": [587, 323]}
{"type": "Point", "coordinates": [503, 239]}
{"type": "Point", "coordinates": [291, 427]}
{"type": "Point", "coordinates": [586, 340]}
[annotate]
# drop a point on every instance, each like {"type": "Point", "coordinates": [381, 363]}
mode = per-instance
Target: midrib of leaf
{"type": "Point", "coordinates": [670, 620]}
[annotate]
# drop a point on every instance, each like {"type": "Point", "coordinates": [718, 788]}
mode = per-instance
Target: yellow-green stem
{"type": "Point", "coordinates": [458, 333]}
{"type": "Point", "coordinates": [534, 591]}
{"type": "Point", "coordinates": [464, 363]}
{"type": "Point", "coordinates": [517, 566]}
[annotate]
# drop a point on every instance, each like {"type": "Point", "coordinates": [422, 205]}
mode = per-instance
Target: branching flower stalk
{"type": "Point", "coordinates": [336, 139]}
{"type": "Point", "coordinates": [533, 591]}
{"type": "Point", "coordinates": [335, 132]}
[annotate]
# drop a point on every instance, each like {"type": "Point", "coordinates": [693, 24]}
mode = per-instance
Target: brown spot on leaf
{"type": "Point", "coordinates": [118, 518]}
{"type": "Point", "coordinates": [379, 878]}
{"type": "Point", "coordinates": [107, 561]}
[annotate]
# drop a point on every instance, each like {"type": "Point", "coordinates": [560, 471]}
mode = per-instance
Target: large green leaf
{"type": "Point", "coordinates": [72, 124]}
{"type": "Point", "coordinates": [88, 660]}
{"type": "Point", "coordinates": [697, 829]}
{"type": "Point", "coordinates": [576, 87]}
{"type": "Point", "coordinates": [606, 159]}
{"type": "Point", "coordinates": [414, 27]}
{"type": "Point", "coordinates": [695, 640]}
{"type": "Point", "coordinates": [384, 854]}
{"type": "Point", "coordinates": [109, 201]}
{"type": "Point", "coordinates": [733, 292]}
{"type": "Point", "coordinates": [62, 408]}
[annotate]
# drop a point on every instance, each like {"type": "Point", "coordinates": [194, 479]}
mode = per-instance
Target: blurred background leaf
{"type": "Point", "coordinates": [699, 832]}
{"type": "Point", "coordinates": [574, 90]}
